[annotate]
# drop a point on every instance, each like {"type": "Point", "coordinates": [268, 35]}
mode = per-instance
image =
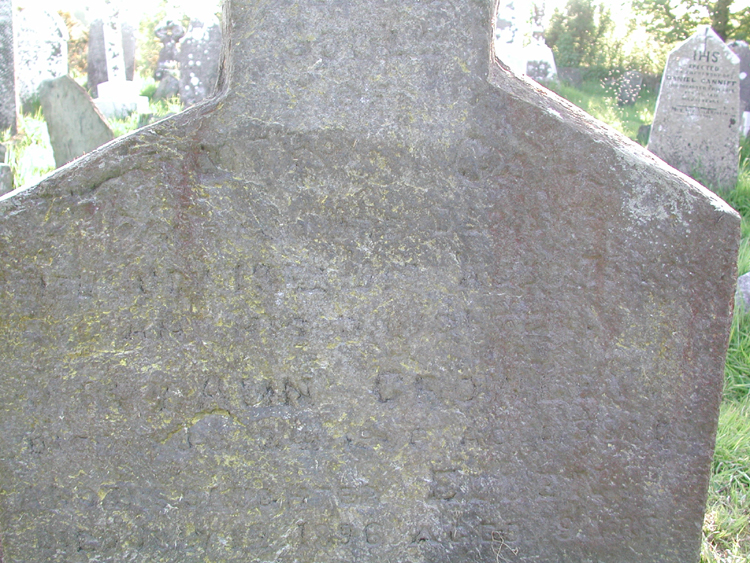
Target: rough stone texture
{"type": "Point", "coordinates": [8, 111]}
{"type": "Point", "coordinates": [41, 49]}
{"type": "Point", "coordinates": [199, 59]}
{"type": "Point", "coordinates": [97, 57]}
{"type": "Point", "coordinates": [380, 300]}
{"type": "Point", "coordinates": [74, 124]}
{"type": "Point", "coordinates": [696, 122]}
{"type": "Point", "coordinates": [630, 86]}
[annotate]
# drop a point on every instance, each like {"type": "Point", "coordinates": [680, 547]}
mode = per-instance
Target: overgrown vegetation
{"type": "Point", "coordinates": [29, 153]}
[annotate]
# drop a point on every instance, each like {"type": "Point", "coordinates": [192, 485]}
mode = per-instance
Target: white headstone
{"type": "Point", "coordinates": [519, 47]}
{"type": "Point", "coordinates": [117, 97]}
{"type": "Point", "coordinates": [696, 123]}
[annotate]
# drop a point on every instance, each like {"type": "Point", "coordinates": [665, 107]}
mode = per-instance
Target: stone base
{"type": "Point", "coordinates": [119, 99]}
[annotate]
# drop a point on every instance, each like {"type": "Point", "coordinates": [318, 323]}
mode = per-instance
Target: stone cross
{"type": "Point", "coordinates": [697, 118]}
{"type": "Point", "coordinates": [378, 300]}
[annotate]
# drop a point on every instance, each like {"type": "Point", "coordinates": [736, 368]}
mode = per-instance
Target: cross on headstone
{"type": "Point", "coordinates": [697, 117]}
{"type": "Point", "coordinates": [379, 300]}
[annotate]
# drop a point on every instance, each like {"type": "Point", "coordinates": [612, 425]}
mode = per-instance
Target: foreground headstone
{"type": "Point", "coordinates": [8, 110]}
{"type": "Point", "coordinates": [74, 124]}
{"type": "Point", "coordinates": [696, 121]}
{"type": "Point", "coordinates": [41, 49]}
{"type": "Point", "coordinates": [199, 59]}
{"type": "Point", "coordinates": [370, 304]}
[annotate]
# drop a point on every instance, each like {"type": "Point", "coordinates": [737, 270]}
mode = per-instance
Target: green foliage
{"type": "Point", "coordinates": [726, 528]}
{"type": "Point", "coordinates": [30, 152]}
{"type": "Point", "coordinates": [675, 20]}
{"type": "Point", "coordinates": [576, 34]}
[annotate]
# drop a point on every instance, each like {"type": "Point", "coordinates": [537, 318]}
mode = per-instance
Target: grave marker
{"type": "Point", "coordinates": [8, 111]}
{"type": "Point", "coordinates": [696, 122]}
{"type": "Point", "coordinates": [97, 54]}
{"type": "Point", "coordinates": [118, 97]}
{"type": "Point", "coordinates": [199, 59]}
{"type": "Point", "coordinates": [316, 318]}
{"type": "Point", "coordinates": [741, 49]}
{"type": "Point", "coordinates": [74, 124]}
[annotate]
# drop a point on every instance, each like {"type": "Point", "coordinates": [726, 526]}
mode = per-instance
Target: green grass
{"type": "Point", "coordinates": [29, 153]}
{"type": "Point", "coordinates": [600, 100]}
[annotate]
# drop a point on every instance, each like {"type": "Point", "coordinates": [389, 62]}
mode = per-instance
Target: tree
{"type": "Point", "coordinates": [676, 20]}
{"type": "Point", "coordinates": [575, 34]}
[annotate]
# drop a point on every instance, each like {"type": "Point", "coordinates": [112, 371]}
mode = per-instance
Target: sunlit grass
{"type": "Point", "coordinates": [30, 153]}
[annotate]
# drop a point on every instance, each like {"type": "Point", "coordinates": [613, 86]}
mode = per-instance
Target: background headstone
{"type": "Point", "coordinates": [316, 318]}
{"type": "Point", "coordinates": [117, 97]}
{"type": "Point", "coordinates": [41, 50]}
{"type": "Point", "coordinates": [8, 110]}
{"type": "Point", "coordinates": [6, 173]}
{"type": "Point", "coordinates": [74, 124]}
{"type": "Point", "coordinates": [97, 57]}
{"type": "Point", "coordinates": [529, 56]}
{"type": "Point", "coordinates": [200, 50]}
{"type": "Point", "coordinates": [629, 87]}
{"type": "Point", "coordinates": [169, 32]}
{"type": "Point", "coordinates": [696, 122]}
{"type": "Point", "coordinates": [742, 298]}
{"type": "Point", "coordinates": [741, 49]}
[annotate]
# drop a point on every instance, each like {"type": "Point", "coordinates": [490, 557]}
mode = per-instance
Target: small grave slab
{"type": "Point", "coordinates": [74, 123]}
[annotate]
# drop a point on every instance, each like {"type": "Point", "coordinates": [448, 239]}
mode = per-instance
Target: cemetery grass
{"type": "Point", "coordinates": [726, 529]}
{"type": "Point", "coordinates": [599, 99]}
{"type": "Point", "coordinates": [29, 153]}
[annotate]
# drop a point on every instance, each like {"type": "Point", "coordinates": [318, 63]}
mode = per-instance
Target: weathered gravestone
{"type": "Point", "coordinates": [370, 304]}
{"type": "Point", "coordinates": [169, 32]}
{"type": "Point", "coordinates": [41, 49]}
{"type": "Point", "coordinates": [96, 62]}
{"type": "Point", "coordinates": [199, 59]}
{"type": "Point", "coordinates": [8, 110]}
{"type": "Point", "coordinates": [742, 50]}
{"type": "Point", "coordinates": [74, 124]}
{"type": "Point", "coordinates": [696, 122]}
